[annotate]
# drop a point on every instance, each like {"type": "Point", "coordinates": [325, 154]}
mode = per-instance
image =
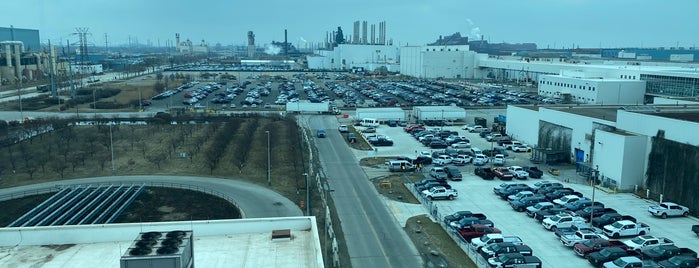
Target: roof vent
{"type": "Point", "coordinates": [281, 235]}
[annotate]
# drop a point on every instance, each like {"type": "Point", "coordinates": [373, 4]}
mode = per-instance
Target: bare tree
{"type": "Point", "coordinates": [59, 166]}
{"type": "Point", "coordinates": [157, 158]}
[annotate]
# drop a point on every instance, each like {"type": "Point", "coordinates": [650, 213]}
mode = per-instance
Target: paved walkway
{"type": "Point", "coordinates": [253, 200]}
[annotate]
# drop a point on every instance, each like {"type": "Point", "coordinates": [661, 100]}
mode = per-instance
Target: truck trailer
{"type": "Point", "coordinates": [308, 107]}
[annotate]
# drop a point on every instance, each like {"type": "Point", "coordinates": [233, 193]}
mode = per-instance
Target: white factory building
{"type": "Point", "coordinates": [588, 88]}
{"type": "Point", "coordinates": [349, 56]}
{"type": "Point", "coordinates": [438, 61]}
{"type": "Point", "coordinates": [614, 139]}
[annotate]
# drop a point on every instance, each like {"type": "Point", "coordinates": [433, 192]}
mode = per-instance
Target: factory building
{"type": "Point", "coordinates": [349, 56]}
{"type": "Point", "coordinates": [188, 47]}
{"type": "Point", "coordinates": [438, 61]}
{"type": "Point", "coordinates": [581, 87]}
{"type": "Point", "coordinates": [21, 55]}
{"type": "Point", "coordinates": [630, 146]}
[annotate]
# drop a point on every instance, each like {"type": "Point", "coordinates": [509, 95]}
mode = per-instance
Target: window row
{"type": "Point", "coordinates": [573, 86]}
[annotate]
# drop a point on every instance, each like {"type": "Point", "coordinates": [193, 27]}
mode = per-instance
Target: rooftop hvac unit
{"type": "Point", "coordinates": [160, 249]}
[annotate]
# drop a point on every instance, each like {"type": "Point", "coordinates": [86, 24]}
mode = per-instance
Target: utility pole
{"type": "Point", "coordinates": [106, 43]}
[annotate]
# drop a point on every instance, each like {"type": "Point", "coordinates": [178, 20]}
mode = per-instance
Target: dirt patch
{"type": "Point", "coordinates": [393, 187]}
{"type": "Point", "coordinates": [435, 245]}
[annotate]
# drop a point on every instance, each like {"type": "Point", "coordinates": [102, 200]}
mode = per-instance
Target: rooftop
{"type": "Point", "coordinates": [600, 112]}
{"type": "Point", "coordinates": [219, 243]}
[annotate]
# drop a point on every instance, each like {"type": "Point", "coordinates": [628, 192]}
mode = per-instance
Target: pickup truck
{"type": "Point", "coordinates": [456, 216]}
{"type": "Point", "coordinates": [610, 218]}
{"type": "Point", "coordinates": [534, 172]}
{"type": "Point", "coordinates": [642, 241]}
{"type": "Point", "coordinates": [484, 172]}
{"type": "Point", "coordinates": [664, 252]}
{"type": "Point", "coordinates": [560, 221]}
{"type": "Point", "coordinates": [531, 210]}
{"type": "Point", "coordinates": [626, 228]}
{"type": "Point", "coordinates": [518, 172]}
{"type": "Point", "coordinates": [503, 173]}
{"type": "Point", "coordinates": [668, 209]}
{"type": "Point", "coordinates": [468, 221]}
{"type": "Point", "coordinates": [519, 195]}
{"type": "Point", "coordinates": [476, 231]}
{"type": "Point", "coordinates": [630, 262]}
{"type": "Point", "coordinates": [578, 226]}
{"type": "Point", "coordinates": [607, 254]}
{"type": "Point", "coordinates": [514, 260]}
{"type": "Point", "coordinates": [584, 248]}
{"type": "Point", "coordinates": [498, 249]}
{"type": "Point", "coordinates": [442, 160]}
{"type": "Point", "coordinates": [473, 129]}
{"type": "Point", "coordinates": [488, 239]}
{"type": "Point", "coordinates": [440, 192]}
{"type": "Point", "coordinates": [570, 240]}
{"type": "Point", "coordinates": [680, 261]}
{"type": "Point", "coordinates": [566, 199]}
{"type": "Point", "coordinates": [521, 204]}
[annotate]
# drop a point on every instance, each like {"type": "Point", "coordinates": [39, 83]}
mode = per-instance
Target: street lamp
{"type": "Point", "coordinates": [269, 167]}
{"type": "Point", "coordinates": [308, 196]}
{"type": "Point", "coordinates": [593, 180]}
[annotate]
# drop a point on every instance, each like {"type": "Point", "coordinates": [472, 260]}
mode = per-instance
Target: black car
{"type": "Point", "coordinates": [609, 218]}
{"type": "Point", "coordinates": [541, 215]}
{"type": "Point", "coordinates": [423, 182]}
{"type": "Point", "coordinates": [438, 144]}
{"type": "Point", "coordinates": [429, 185]}
{"type": "Point", "coordinates": [484, 173]}
{"type": "Point", "coordinates": [453, 173]}
{"type": "Point", "coordinates": [456, 216]}
{"type": "Point", "coordinates": [381, 142]}
{"type": "Point", "coordinates": [607, 254]}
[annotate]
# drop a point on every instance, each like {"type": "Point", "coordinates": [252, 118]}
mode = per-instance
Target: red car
{"type": "Point", "coordinates": [413, 127]}
{"type": "Point", "coordinates": [475, 231]}
{"type": "Point", "coordinates": [594, 245]}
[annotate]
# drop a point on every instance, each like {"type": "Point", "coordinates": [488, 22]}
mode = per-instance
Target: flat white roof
{"type": "Point", "coordinates": [220, 243]}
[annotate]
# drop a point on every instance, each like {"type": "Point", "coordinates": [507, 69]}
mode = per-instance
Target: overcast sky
{"type": "Point", "coordinates": [548, 23]}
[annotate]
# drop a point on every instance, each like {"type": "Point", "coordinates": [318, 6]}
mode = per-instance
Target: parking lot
{"type": "Point", "coordinates": [476, 195]}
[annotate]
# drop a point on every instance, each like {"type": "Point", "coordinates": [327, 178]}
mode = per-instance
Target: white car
{"type": "Point", "coordinates": [462, 159]}
{"type": "Point", "coordinates": [480, 159]}
{"type": "Point", "coordinates": [442, 160]}
{"type": "Point", "coordinates": [521, 148]}
{"type": "Point", "coordinates": [499, 159]}
{"type": "Point", "coordinates": [343, 128]}
{"type": "Point", "coordinates": [461, 144]}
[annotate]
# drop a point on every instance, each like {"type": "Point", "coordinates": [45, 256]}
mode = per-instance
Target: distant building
{"type": "Point", "coordinates": [188, 47]}
{"type": "Point", "coordinates": [451, 40]}
{"type": "Point", "coordinates": [349, 56]}
{"type": "Point", "coordinates": [29, 37]}
{"type": "Point", "coordinates": [438, 61]}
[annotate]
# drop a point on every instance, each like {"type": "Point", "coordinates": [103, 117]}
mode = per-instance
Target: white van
{"type": "Point", "coordinates": [369, 122]}
{"type": "Point", "coordinates": [476, 151]}
{"type": "Point", "coordinates": [400, 165]}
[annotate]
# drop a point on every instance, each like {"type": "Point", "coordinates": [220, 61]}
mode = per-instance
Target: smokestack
{"type": "Point", "coordinates": [251, 44]}
{"type": "Point", "coordinates": [355, 37]}
{"type": "Point", "coordinates": [373, 34]}
{"type": "Point", "coordinates": [286, 44]}
{"type": "Point", "coordinates": [364, 33]}
{"type": "Point", "coordinates": [177, 42]}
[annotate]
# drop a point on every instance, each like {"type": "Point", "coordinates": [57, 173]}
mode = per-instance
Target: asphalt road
{"type": "Point", "coordinates": [254, 201]}
{"type": "Point", "coordinates": [374, 237]}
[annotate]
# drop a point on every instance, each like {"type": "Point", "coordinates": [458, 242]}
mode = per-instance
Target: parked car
{"type": "Point", "coordinates": [456, 216]}
{"type": "Point", "coordinates": [453, 173]}
{"type": "Point", "coordinates": [499, 160]}
{"type": "Point", "coordinates": [462, 159]}
{"type": "Point", "coordinates": [439, 173]}
{"type": "Point", "coordinates": [343, 129]}
{"type": "Point", "coordinates": [480, 160]}
{"type": "Point", "coordinates": [666, 209]}
{"type": "Point", "coordinates": [461, 144]}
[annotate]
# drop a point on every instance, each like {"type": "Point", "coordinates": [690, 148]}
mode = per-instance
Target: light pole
{"type": "Point", "coordinates": [111, 145]}
{"type": "Point", "coordinates": [593, 180]}
{"type": "Point", "coordinates": [269, 167]}
{"type": "Point", "coordinates": [308, 196]}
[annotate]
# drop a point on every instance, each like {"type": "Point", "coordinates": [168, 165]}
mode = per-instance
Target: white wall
{"type": "Point", "coordinates": [580, 125]}
{"type": "Point", "coordinates": [620, 157]}
{"type": "Point", "coordinates": [594, 91]}
{"type": "Point", "coordinates": [648, 124]}
{"type": "Point", "coordinates": [523, 124]}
